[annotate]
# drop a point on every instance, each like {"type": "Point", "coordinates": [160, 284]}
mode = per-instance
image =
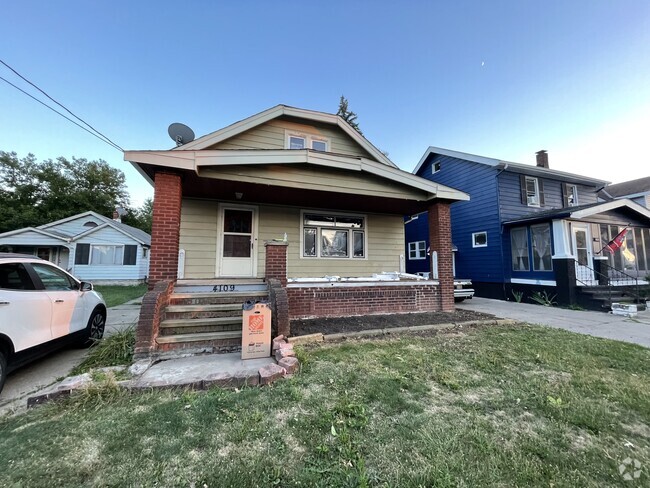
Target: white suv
{"type": "Point", "coordinates": [42, 308]}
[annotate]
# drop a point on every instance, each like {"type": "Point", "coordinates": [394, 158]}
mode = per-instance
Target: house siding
{"type": "Point", "coordinates": [272, 136]}
{"type": "Point", "coordinates": [109, 236]}
{"type": "Point", "coordinates": [478, 214]}
{"type": "Point", "coordinates": [31, 238]}
{"type": "Point", "coordinates": [385, 242]}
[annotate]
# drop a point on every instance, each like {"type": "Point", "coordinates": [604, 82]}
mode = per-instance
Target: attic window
{"type": "Point", "coordinates": [90, 223]}
{"type": "Point", "coordinates": [435, 167]}
{"type": "Point", "coordinates": [299, 140]}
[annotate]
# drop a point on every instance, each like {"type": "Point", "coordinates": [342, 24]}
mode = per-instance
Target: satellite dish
{"type": "Point", "coordinates": [180, 133]}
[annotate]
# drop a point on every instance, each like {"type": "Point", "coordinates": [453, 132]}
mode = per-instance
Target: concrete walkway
{"type": "Point", "coordinates": [597, 324]}
{"type": "Point", "coordinates": [36, 376]}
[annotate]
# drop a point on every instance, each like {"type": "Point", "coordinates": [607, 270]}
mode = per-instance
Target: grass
{"type": "Point", "coordinates": [500, 406]}
{"type": "Point", "coordinates": [117, 295]}
{"type": "Point", "coordinates": [114, 350]}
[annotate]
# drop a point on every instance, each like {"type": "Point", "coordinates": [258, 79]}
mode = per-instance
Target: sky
{"type": "Point", "coordinates": [501, 79]}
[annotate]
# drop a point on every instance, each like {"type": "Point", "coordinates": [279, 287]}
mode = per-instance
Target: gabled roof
{"type": "Point", "coordinates": [629, 189]}
{"type": "Point", "coordinates": [582, 211]}
{"type": "Point", "coordinates": [136, 234]}
{"type": "Point", "coordinates": [48, 233]}
{"type": "Point", "coordinates": [284, 110]}
{"type": "Point", "coordinates": [509, 166]}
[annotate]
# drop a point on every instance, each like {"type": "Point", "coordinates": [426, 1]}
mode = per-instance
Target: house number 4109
{"type": "Point", "coordinates": [223, 288]}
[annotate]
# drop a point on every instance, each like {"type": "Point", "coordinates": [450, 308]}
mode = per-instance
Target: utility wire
{"type": "Point", "coordinates": [103, 137]}
{"type": "Point", "coordinates": [62, 115]}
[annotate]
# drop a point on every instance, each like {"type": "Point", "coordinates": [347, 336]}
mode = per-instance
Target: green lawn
{"type": "Point", "coordinates": [117, 295]}
{"type": "Point", "coordinates": [500, 406]}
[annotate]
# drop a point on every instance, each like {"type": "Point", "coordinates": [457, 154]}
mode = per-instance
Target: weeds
{"type": "Point", "coordinates": [518, 295]}
{"type": "Point", "coordinates": [114, 350]}
{"type": "Point", "coordinates": [542, 298]}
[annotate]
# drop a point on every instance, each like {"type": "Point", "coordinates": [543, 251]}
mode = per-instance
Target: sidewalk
{"type": "Point", "coordinates": [597, 324]}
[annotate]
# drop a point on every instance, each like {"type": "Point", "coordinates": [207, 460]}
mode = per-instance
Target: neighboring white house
{"type": "Point", "coordinates": [89, 246]}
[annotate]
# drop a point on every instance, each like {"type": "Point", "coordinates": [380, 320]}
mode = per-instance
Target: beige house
{"type": "Point", "coordinates": [290, 195]}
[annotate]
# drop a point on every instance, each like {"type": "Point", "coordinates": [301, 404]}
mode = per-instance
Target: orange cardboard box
{"type": "Point", "coordinates": [256, 331]}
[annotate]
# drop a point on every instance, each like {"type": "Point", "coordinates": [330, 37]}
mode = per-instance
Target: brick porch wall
{"type": "Point", "coordinates": [153, 305]}
{"type": "Point", "coordinates": [440, 241]}
{"type": "Point", "coordinates": [361, 300]}
{"type": "Point", "coordinates": [165, 229]}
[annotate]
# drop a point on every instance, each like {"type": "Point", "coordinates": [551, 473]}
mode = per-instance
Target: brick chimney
{"type": "Point", "coordinates": [542, 159]}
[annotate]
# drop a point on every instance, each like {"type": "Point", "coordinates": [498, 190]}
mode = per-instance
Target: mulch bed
{"type": "Point", "coordinates": [335, 325]}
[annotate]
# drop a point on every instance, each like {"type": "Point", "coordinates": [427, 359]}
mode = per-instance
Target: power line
{"type": "Point", "coordinates": [62, 115]}
{"type": "Point", "coordinates": [103, 137]}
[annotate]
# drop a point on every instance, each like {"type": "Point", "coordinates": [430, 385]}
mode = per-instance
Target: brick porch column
{"type": "Point", "coordinates": [165, 228]}
{"type": "Point", "coordinates": [276, 261]}
{"type": "Point", "coordinates": [440, 241]}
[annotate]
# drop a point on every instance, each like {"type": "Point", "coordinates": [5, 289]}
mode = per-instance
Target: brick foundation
{"type": "Point", "coordinates": [440, 242]}
{"type": "Point", "coordinates": [361, 300]}
{"type": "Point", "coordinates": [279, 307]}
{"type": "Point", "coordinates": [165, 228]}
{"type": "Point", "coordinates": [153, 307]}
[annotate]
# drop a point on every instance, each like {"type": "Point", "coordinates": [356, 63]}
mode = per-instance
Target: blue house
{"type": "Point", "coordinates": [529, 229]}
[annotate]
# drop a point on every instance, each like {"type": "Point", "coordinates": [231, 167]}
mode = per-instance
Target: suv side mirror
{"type": "Point", "coordinates": [85, 286]}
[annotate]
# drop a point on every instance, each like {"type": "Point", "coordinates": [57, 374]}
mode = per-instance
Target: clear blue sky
{"type": "Point", "coordinates": [496, 78]}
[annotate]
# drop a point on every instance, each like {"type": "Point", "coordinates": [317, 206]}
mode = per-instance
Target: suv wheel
{"type": "Point", "coordinates": [95, 328]}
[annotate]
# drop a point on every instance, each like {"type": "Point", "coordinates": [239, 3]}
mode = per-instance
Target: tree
{"type": "Point", "coordinates": [33, 194]}
{"type": "Point", "coordinates": [140, 217]}
{"type": "Point", "coordinates": [347, 115]}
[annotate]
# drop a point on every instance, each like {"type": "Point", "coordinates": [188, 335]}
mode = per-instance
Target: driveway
{"type": "Point", "coordinates": [597, 324]}
{"type": "Point", "coordinates": [36, 376]}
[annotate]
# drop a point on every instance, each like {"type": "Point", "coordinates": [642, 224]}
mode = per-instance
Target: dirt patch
{"type": "Point", "coordinates": [335, 325]}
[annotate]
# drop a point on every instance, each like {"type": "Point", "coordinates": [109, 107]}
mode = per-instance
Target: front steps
{"type": "Point", "coordinates": [601, 298]}
{"type": "Point", "coordinates": [206, 315]}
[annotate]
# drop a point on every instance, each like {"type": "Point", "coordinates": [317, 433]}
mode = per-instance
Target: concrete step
{"type": "Point", "coordinates": [219, 307]}
{"type": "Point", "coordinates": [198, 337]}
{"type": "Point", "coordinates": [216, 321]}
{"type": "Point", "coordinates": [190, 328]}
{"type": "Point", "coordinates": [216, 298]}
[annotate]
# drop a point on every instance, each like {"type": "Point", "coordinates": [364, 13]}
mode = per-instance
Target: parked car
{"type": "Point", "coordinates": [42, 308]}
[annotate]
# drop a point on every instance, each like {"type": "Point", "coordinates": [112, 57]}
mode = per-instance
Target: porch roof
{"type": "Point", "coordinates": [295, 177]}
{"type": "Point", "coordinates": [582, 211]}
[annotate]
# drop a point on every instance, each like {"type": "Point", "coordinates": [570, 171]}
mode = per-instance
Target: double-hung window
{"type": "Point", "coordinates": [106, 254]}
{"type": "Point", "coordinates": [299, 140]}
{"type": "Point", "coordinates": [333, 236]}
{"type": "Point", "coordinates": [532, 192]}
{"type": "Point", "coordinates": [417, 250]}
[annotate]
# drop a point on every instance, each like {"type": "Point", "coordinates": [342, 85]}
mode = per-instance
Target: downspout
{"type": "Point", "coordinates": [496, 178]}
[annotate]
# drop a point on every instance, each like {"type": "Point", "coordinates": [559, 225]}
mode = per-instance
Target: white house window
{"type": "Point", "coordinates": [479, 239]}
{"type": "Point", "coordinates": [532, 192]}
{"type": "Point", "coordinates": [319, 145]}
{"type": "Point", "coordinates": [333, 236]}
{"type": "Point", "coordinates": [572, 195]}
{"type": "Point", "coordinates": [106, 255]}
{"type": "Point", "coordinates": [306, 141]}
{"type": "Point", "coordinates": [296, 142]}
{"type": "Point", "coordinates": [417, 250]}
{"type": "Point", "coordinates": [519, 243]}
{"type": "Point", "coordinates": [435, 167]}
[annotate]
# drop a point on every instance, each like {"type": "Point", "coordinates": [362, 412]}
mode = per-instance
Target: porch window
{"type": "Point", "coordinates": [541, 241]}
{"type": "Point", "coordinates": [417, 250]}
{"type": "Point", "coordinates": [519, 241]}
{"type": "Point", "coordinates": [333, 236]}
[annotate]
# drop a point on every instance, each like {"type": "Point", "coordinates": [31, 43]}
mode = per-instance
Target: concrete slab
{"type": "Point", "coordinates": [203, 371]}
{"type": "Point", "coordinates": [598, 324]}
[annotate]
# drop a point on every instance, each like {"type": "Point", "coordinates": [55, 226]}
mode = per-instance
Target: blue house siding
{"type": "Point", "coordinates": [417, 230]}
{"type": "Point", "coordinates": [479, 214]}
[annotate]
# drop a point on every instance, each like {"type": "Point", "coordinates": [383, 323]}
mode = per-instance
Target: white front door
{"type": "Point", "coordinates": [237, 241]}
{"type": "Point", "coordinates": [581, 241]}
